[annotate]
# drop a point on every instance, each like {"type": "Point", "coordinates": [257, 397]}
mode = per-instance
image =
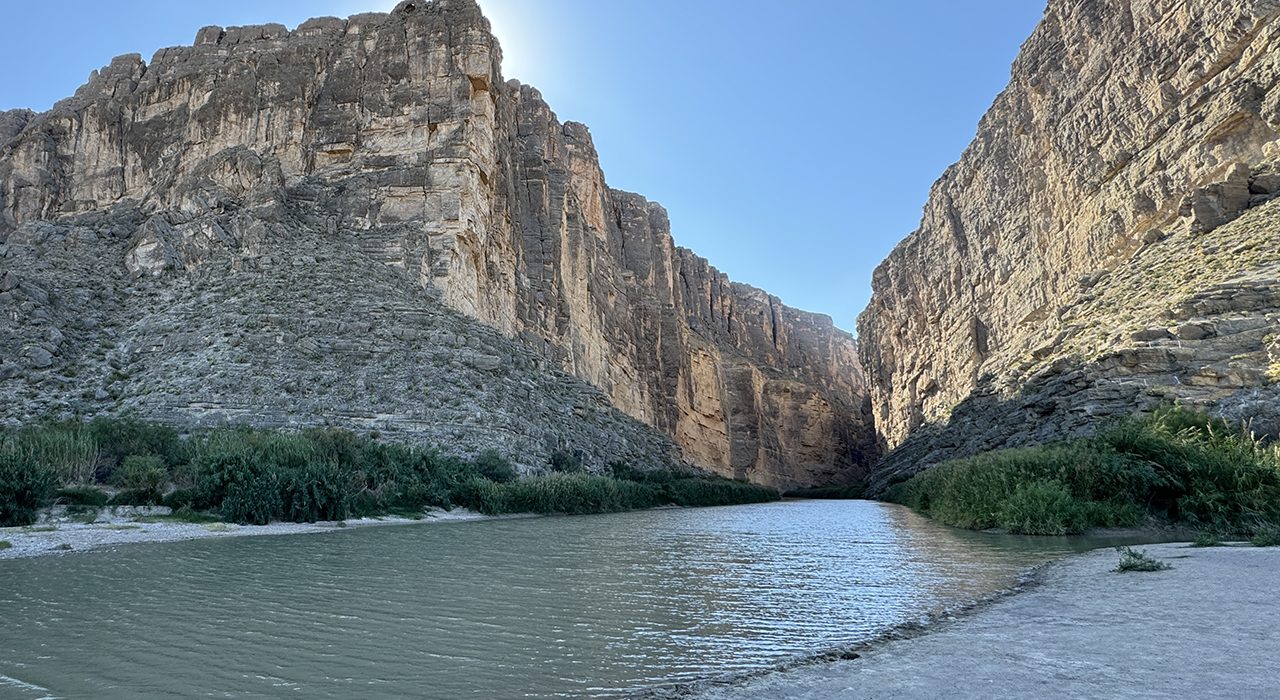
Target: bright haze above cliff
{"type": "Point", "coordinates": [793, 144]}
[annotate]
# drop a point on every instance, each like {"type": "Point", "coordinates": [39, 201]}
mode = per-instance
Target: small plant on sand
{"type": "Point", "coordinates": [1138, 560]}
{"type": "Point", "coordinates": [1207, 539]}
{"type": "Point", "coordinates": [5, 544]}
{"type": "Point", "coordinates": [1266, 537]}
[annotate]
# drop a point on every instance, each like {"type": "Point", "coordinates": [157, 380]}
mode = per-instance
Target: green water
{"type": "Point", "coordinates": [592, 606]}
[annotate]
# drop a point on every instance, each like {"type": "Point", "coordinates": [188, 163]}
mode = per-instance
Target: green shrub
{"type": "Point", "coordinates": [1266, 537]}
{"type": "Point", "coordinates": [25, 486]}
{"type": "Point", "coordinates": [68, 448]}
{"type": "Point", "coordinates": [714, 492]}
{"type": "Point", "coordinates": [1042, 508]}
{"type": "Point", "coordinates": [575, 494]}
{"type": "Point", "coordinates": [81, 496]}
{"type": "Point", "coordinates": [5, 544]}
{"type": "Point", "coordinates": [495, 467]}
{"type": "Point", "coordinates": [482, 496]}
{"type": "Point", "coordinates": [254, 476]}
{"type": "Point", "coordinates": [1207, 539]}
{"type": "Point", "coordinates": [179, 499]}
{"type": "Point", "coordinates": [317, 491]}
{"type": "Point", "coordinates": [135, 497]}
{"type": "Point", "coordinates": [1138, 560]}
{"type": "Point", "coordinates": [119, 438]}
{"type": "Point", "coordinates": [567, 461]}
{"type": "Point", "coordinates": [186, 514]}
{"type": "Point", "coordinates": [83, 514]}
{"type": "Point", "coordinates": [142, 473]}
{"type": "Point", "coordinates": [1175, 465]}
{"type": "Point", "coordinates": [255, 501]}
{"type": "Point", "coordinates": [850, 492]}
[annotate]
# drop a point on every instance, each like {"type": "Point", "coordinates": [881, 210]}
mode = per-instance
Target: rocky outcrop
{"type": "Point", "coordinates": [1108, 241]}
{"type": "Point", "coordinates": [393, 140]}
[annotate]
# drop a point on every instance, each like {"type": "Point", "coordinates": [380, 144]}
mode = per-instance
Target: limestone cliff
{"type": "Point", "coordinates": [1109, 241]}
{"type": "Point", "coordinates": [300, 213]}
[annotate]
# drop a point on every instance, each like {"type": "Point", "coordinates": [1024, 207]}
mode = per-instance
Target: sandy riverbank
{"type": "Point", "coordinates": [132, 526]}
{"type": "Point", "coordinates": [1204, 629]}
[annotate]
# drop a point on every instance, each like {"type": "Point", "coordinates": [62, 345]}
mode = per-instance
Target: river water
{"type": "Point", "coordinates": [591, 606]}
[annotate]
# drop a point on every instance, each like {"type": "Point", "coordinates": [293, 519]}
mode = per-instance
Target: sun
{"type": "Point", "coordinates": [517, 29]}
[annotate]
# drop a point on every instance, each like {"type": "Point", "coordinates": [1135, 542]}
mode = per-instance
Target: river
{"type": "Point", "coordinates": [590, 606]}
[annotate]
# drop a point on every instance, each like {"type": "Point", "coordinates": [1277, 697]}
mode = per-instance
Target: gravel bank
{"type": "Point", "coordinates": [130, 526]}
{"type": "Point", "coordinates": [1205, 629]}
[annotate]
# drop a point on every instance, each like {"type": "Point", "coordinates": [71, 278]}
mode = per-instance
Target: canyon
{"type": "Point", "coordinates": [1108, 243]}
{"type": "Point", "coordinates": [360, 223]}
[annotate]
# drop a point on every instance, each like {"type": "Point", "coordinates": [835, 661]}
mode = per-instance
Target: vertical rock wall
{"type": "Point", "coordinates": [397, 133]}
{"type": "Point", "coordinates": [1106, 243]}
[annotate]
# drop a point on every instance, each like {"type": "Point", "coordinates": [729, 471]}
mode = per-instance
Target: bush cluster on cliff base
{"type": "Point", "coordinates": [1176, 465]}
{"type": "Point", "coordinates": [259, 476]}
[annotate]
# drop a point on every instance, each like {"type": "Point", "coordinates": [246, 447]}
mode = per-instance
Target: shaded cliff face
{"type": "Point", "coordinates": [392, 142]}
{"type": "Point", "coordinates": [1108, 241]}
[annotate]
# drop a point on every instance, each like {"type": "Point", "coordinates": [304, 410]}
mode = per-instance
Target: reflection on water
{"type": "Point", "coordinates": [595, 606]}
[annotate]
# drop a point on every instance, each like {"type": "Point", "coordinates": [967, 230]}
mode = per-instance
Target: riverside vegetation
{"type": "Point", "coordinates": [252, 476]}
{"type": "Point", "coordinates": [1175, 466]}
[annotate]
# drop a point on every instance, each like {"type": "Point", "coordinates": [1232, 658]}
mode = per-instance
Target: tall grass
{"type": "Point", "coordinates": [68, 448]}
{"type": "Point", "coordinates": [1176, 465]}
{"type": "Point", "coordinates": [259, 476]}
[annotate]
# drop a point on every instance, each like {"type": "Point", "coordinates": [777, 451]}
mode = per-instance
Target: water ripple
{"type": "Point", "coordinates": [600, 606]}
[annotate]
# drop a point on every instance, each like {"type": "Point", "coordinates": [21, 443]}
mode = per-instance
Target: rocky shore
{"type": "Point", "coordinates": [1205, 629]}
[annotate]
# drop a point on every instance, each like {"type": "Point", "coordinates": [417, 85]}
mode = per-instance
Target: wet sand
{"type": "Point", "coordinates": [1206, 629]}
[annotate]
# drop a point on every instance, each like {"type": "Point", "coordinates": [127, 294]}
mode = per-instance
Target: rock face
{"type": "Point", "coordinates": [345, 201]}
{"type": "Point", "coordinates": [1108, 242]}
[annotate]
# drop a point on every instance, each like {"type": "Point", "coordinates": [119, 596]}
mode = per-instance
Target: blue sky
{"type": "Point", "coordinates": [793, 143]}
